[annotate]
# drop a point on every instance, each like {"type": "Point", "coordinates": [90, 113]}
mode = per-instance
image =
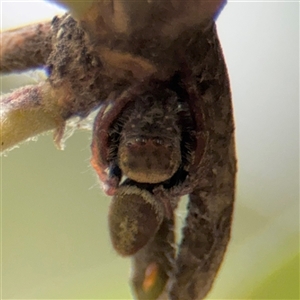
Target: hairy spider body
{"type": "Point", "coordinates": [149, 146]}
{"type": "Point", "coordinates": [152, 139]}
{"type": "Point", "coordinates": [152, 142]}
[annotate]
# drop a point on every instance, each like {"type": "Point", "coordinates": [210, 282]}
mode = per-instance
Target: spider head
{"type": "Point", "coordinates": [149, 149]}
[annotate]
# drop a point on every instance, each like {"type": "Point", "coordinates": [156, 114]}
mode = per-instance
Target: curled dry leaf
{"type": "Point", "coordinates": [156, 70]}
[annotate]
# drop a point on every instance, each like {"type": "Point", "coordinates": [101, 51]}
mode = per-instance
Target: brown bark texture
{"type": "Point", "coordinates": [25, 48]}
{"type": "Point", "coordinates": [103, 54]}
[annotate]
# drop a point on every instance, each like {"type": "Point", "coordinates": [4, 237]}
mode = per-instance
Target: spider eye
{"type": "Point", "coordinates": [134, 218]}
{"type": "Point", "coordinates": [140, 141]}
{"type": "Point", "coordinates": [158, 141]}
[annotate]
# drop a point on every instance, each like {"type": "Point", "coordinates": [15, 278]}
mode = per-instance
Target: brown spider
{"type": "Point", "coordinates": [165, 123]}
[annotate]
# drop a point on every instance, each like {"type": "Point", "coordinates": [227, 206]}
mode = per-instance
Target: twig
{"type": "Point", "coordinates": [25, 48]}
{"type": "Point", "coordinates": [26, 113]}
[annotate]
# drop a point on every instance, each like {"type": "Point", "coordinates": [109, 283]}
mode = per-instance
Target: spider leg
{"type": "Point", "coordinates": [25, 48]}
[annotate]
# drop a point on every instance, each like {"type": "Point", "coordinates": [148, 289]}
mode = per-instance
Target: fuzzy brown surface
{"type": "Point", "coordinates": [26, 47]}
{"type": "Point", "coordinates": [87, 71]}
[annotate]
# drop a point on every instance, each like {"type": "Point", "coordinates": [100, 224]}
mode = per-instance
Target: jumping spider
{"type": "Point", "coordinates": [164, 129]}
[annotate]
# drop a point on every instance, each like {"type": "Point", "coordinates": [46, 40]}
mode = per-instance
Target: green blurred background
{"type": "Point", "coordinates": [55, 243]}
